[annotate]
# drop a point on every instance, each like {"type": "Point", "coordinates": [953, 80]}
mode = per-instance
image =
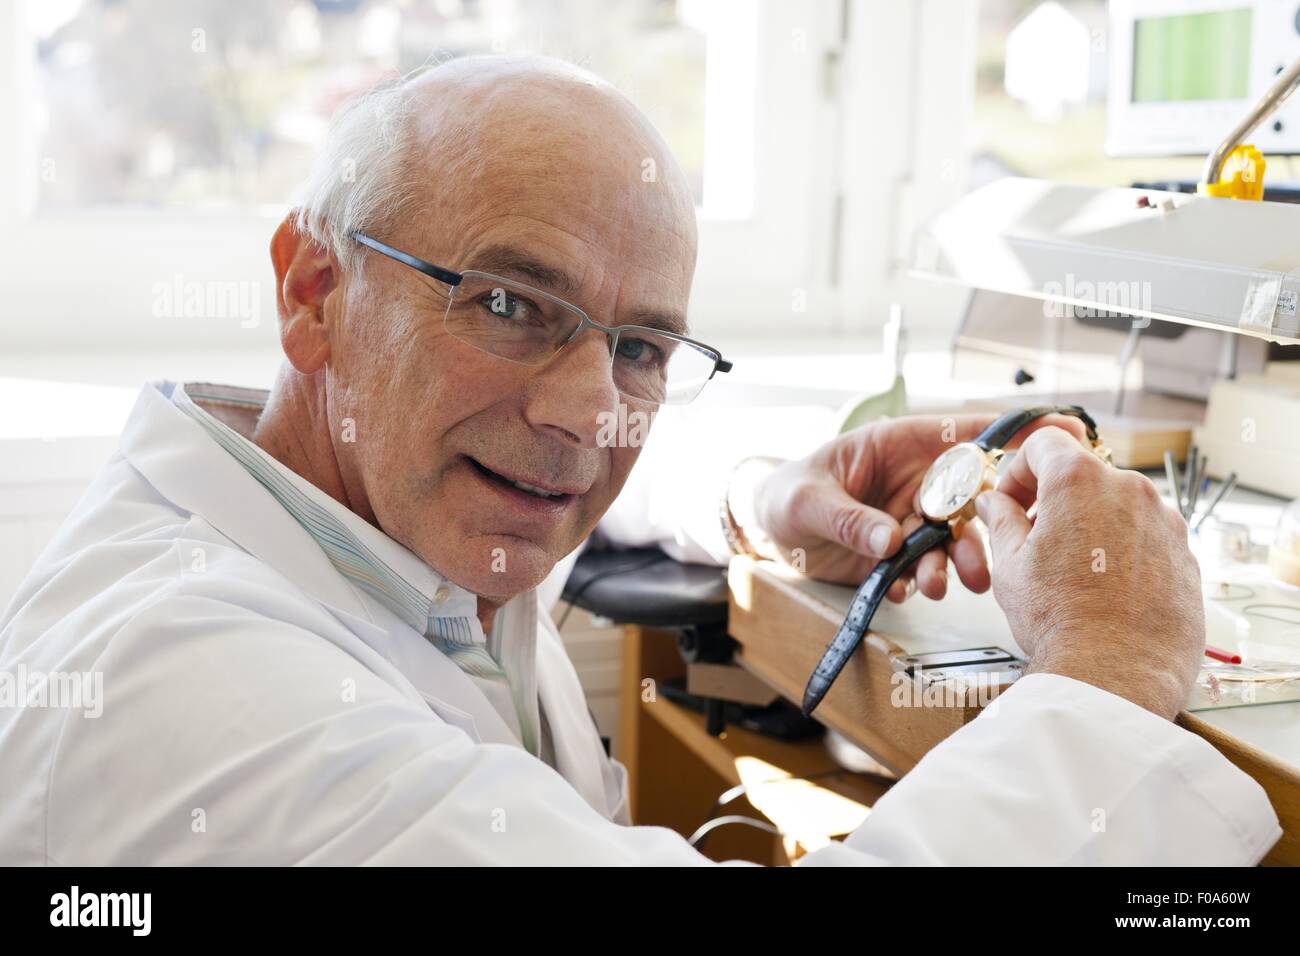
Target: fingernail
{"type": "Point", "coordinates": [980, 507]}
{"type": "Point", "coordinates": [879, 540]}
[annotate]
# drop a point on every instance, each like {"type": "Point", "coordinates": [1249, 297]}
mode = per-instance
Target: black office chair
{"type": "Point", "coordinates": [646, 587]}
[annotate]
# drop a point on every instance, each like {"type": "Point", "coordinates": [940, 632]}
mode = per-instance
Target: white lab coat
{"type": "Point", "coordinates": [225, 738]}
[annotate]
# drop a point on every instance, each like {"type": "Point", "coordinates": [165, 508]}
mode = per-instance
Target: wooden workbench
{"type": "Point", "coordinates": [784, 621]}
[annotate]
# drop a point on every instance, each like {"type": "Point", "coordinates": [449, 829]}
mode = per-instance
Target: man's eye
{"type": "Point", "coordinates": [503, 304]}
{"type": "Point", "coordinates": [640, 352]}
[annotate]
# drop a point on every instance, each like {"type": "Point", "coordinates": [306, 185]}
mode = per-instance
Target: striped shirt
{"type": "Point", "coordinates": [502, 664]}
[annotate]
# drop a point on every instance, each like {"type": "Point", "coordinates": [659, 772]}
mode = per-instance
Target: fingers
{"type": "Point", "coordinates": [1066, 423]}
{"type": "Point", "coordinates": [932, 435]}
{"type": "Point", "coordinates": [1007, 523]}
{"type": "Point", "coordinates": [1019, 483]}
{"type": "Point", "coordinates": [970, 559]}
{"type": "Point", "coordinates": [830, 512]}
{"type": "Point", "coordinates": [967, 555]}
{"type": "Point", "coordinates": [937, 434]}
{"type": "Point", "coordinates": [1045, 457]}
{"type": "Point", "coordinates": [932, 574]}
{"type": "Point", "coordinates": [903, 588]}
{"type": "Point", "coordinates": [906, 585]}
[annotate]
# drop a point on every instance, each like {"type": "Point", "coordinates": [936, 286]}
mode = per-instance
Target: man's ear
{"type": "Point", "coordinates": [305, 274]}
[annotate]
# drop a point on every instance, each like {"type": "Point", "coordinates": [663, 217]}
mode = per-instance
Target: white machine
{"type": "Point", "coordinates": [1223, 260]}
{"type": "Point", "coordinates": [1183, 71]}
{"type": "Point", "coordinates": [1198, 260]}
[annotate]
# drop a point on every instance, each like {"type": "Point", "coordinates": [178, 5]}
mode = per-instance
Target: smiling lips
{"type": "Point", "coordinates": [549, 493]}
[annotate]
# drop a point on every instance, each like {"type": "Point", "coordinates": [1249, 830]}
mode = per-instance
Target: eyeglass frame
{"type": "Point", "coordinates": [454, 279]}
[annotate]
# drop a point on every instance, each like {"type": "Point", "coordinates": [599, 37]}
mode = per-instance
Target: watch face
{"type": "Point", "coordinates": [952, 481]}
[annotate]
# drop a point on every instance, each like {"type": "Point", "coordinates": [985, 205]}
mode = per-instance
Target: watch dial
{"type": "Point", "coordinates": [952, 481]}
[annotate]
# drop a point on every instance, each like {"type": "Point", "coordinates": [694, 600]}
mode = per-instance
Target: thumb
{"type": "Point", "coordinates": [1007, 522]}
{"type": "Point", "coordinates": [838, 516]}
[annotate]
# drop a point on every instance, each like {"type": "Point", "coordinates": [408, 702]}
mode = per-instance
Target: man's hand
{"type": "Point", "coordinates": [1099, 585]}
{"type": "Point", "coordinates": [837, 512]}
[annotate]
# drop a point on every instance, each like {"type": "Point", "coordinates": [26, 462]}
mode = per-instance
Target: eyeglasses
{"type": "Point", "coordinates": [522, 324]}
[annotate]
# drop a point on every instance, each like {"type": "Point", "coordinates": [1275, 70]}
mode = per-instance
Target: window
{"type": "Point", "coordinates": [162, 141]}
{"type": "Point", "coordinates": [1040, 106]}
{"type": "Point", "coordinates": [192, 103]}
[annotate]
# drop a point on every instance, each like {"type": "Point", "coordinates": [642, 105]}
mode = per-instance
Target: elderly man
{"type": "Point", "coordinates": [315, 611]}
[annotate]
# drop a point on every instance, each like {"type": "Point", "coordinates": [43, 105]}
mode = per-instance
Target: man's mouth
{"type": "Point", "coordinates": [557, 495]}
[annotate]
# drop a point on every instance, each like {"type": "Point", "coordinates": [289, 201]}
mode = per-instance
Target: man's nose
{"type": "Point", "coordinates": [573, 395]}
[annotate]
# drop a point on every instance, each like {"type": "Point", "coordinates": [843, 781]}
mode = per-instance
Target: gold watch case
{"type": "Point", "coordinates": [961, 474]}
{"type": "Point", "coordinates": [956, 479]}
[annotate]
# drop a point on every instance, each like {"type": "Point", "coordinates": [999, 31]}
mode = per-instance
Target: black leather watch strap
{"type": "Point", "coordinates": [873, 589]}
{"type": "Point", "coordinates": [998, 434]}
{"type": "Point", "coordinates": [863, 609]}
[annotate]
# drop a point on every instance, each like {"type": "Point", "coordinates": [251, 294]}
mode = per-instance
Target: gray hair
{"type": "Point", "coordinates": [358, 182]}
{"type": "Point", "coordinates": [363, 178]}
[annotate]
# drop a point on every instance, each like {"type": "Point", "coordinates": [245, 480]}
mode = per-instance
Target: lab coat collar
{"type": "Point", "coordinates": [579, 755]}
{"type": "Point", "coordinates": [191, 471]}
{"type": "Point", "coordinates": [188, 468]}
{"type": "Point", "coordinates": [409, 586]}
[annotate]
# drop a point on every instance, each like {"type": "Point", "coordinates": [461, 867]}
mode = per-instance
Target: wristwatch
{"type": "Point", "coordinates": [947, 502]}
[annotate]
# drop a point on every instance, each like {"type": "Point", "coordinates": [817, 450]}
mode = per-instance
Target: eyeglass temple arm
{"type": "Point", "coordinates": [428, 268]}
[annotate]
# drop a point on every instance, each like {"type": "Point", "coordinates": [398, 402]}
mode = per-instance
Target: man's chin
{"type": "Point", "coordinates": [507, 567]}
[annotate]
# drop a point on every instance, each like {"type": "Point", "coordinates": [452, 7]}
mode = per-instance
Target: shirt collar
{"type": "Point", "coordinates": [433, 605]}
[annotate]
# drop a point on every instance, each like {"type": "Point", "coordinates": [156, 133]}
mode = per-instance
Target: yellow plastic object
{"type": "Point", "coordinates": [1241, 177]}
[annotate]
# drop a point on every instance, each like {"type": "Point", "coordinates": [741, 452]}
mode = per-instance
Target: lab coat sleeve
{"type": "Point", "coordinates": [1058, 772]}
{"type": "Point", "coordinates": [252, 740]}
{"type": "Point", "coordinates": [671, 498]}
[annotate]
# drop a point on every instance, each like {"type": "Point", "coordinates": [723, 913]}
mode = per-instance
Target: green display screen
{"type": "Point", "coordinates": [1200, 56]}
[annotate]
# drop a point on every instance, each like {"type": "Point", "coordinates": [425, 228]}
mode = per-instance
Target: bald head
{"type": "Point", "coordinates": [503, 124]}
{"type": "Point", "coordinates": [483, 114]}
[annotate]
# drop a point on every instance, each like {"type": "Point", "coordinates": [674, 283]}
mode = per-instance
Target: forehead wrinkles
{"type": "Point", "coordinates": [550, 183]}
{"type": "Point", "coordinates": [513, 136]}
